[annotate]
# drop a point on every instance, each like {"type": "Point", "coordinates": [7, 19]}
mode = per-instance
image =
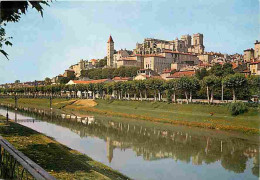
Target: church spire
{"type": "Point", "coordinates": [110, 39]}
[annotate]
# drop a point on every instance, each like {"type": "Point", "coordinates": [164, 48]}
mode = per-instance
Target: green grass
{"type": "Point", "coordinates": [59, 160]}
{"type": "Point", "coordinates": [186, 112]}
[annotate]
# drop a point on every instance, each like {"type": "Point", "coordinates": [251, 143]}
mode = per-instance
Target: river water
{"type": "Point", "coordinates": [149, 151]}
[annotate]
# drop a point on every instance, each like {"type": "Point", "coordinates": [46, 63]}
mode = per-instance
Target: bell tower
{"type": "Point", "coordinates": [110, 52]}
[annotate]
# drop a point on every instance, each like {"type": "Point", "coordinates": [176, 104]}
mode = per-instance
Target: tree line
{"type": "Point", "coordinates": [110, 73]}
{"type": "Point", "coordinates": [235, 86]}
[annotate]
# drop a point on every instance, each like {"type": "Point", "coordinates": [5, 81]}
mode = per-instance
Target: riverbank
{"type": "Point", "coordinates": [59, 160]}
{"type": "Point", "coordinates": [196, 115]}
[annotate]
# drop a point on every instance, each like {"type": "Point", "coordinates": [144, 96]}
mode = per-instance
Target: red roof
{"type": "Point", "coordinates": [182, 74]}
{"type": "Point", "coordinates": [128, 59]}
{"type": "Point", "coordinates": [89, 82]}
{"type": "Point", "coordinates": [122, 78]}
{"type": "Point", "coordinates": [153, 55]}
{"type": "Point", "coordinates": [167, 71]}
{"type": "Point", "coordinates": [256, 62]}
{"type": "Point", "coordinates": [177, 52]}
{"type": "Point", "coordinates": [234, 65]}
{"type": "Point", "coordinates": [246, 71]}
{"type": "Point", "coordinates": [110, 39]}
{"type": "Point", "coordinates": [93, 60]}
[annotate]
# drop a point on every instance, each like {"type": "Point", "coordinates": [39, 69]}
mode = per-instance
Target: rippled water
{"type": "Point", "coordinates": [144, 150]}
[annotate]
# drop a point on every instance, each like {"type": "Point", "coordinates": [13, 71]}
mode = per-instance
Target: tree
{"type": "Point", "coordinates": [101, 63]}
{"type": "Point", "coordinates": [139, 86]}
{"type": "Point", "coordinates": [211, 82]}
{"type": "Point", "coordinates": [254, 85]}
{"type": "Point", "coordinates": [201, 73]}
{"type": "Point", "coordinates": [11, 11]}
{"type": "Point", "coordinates": [185, 84]}
{"type": "Point", "coordinates": [155, 85]}
{"type": "Point", "coordinates": [235, 82]}
{"type": "Point", "coordinates": [216, 70]}
{"type": "Point", "coordinates": [195, 85]}
{"type": "Point", "coordinates": [227, 69]}
{"type": "Point", "coordinates": [47, 81]}
{"type": "Point", "coordinates": [63, 80]}
{"type": "Point", "coordinates": [172, 88]}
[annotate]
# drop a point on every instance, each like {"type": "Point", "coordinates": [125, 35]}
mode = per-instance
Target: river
{"type": "Point", "coordinates": [149, 151]}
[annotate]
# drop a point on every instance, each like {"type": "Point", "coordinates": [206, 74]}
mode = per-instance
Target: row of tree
{"type": "Point", "coordinates": [232, 85]}
{"type": "Point", "coordinates": [109, 73]}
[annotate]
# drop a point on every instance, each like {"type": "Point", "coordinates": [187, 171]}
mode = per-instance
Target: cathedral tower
{"type": "Point", "coordinates": [198, 43]}
{"type": "Point", "coordinates": [110, 52]}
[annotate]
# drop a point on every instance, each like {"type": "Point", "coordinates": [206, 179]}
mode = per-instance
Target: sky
{"type": "Point", "coordinates": [74, 30]}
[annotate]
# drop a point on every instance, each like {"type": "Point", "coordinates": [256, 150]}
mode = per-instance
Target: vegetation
{"type": "Point", "coordinates": [236, 86]}
{"type": "Point", "coordinates": [235, 82]}
{"type": "Point", "coordinates": [111, 72]}
{"type": "Point", "coordinates": [11, 11]}
{"type": "Point", "coordinates": [59, 160]}
{"type": "Point", "coordinates": [237, 108]}
{"type": "Point", "coordinates": [211, 82]}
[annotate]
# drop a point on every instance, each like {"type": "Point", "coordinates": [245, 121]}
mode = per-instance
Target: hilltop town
{"type": "Point", "coordinates": [165, 59]}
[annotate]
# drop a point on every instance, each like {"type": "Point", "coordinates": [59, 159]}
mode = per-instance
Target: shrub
{"type": "Point", "coordinates": [237, 108]}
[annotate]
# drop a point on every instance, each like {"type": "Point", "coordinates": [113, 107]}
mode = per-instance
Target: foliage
{"type": "Point", "coordinates": [221, 71]}
{"type": "Point", "coordinates": [201, 73]}
{"type": "Point", "coordinates": [235, 82]}
{"type": "Point", "coordinates": [109, 73]}
{"type": "Point", "coordinates": [237, 108]}
{"type": "Point", "coordinates": [101, 63]}
{"type": "Point", "coordinates": [63, 80]}
{"type": "Point", "coordinates": [47, 81]}
{"type": "Point", "coordinates": [11, 11]}
{"type": "Point", "coordinates": [254, 85]}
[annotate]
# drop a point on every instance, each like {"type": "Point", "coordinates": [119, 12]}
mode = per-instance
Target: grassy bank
{"type": "Point", "coordinates": [59, 160]}
{"type": "Point", "coordinates": [197, 115]}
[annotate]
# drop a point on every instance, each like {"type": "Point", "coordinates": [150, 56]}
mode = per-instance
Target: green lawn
{"type": "Point", "coordinates": [183, 112]}
{"type": "Point", "coordinates": [59, 160]}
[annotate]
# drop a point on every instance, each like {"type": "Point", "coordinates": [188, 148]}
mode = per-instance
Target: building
{"type": "Point", "coordinates": [143, 74]}
{"type": "Point", "coordinates": [255, 68]}
{"type": "Point", "coordinates": [69, 73]}
{"type": "Point", "coordinates": [89, 82]}
{"type": "Point", "coordinates": [155, 46]}
{"type": "Point", "coordinates": [180, 74]}
{"type": "Point", "coordinates": [110, 52]}
{"type": "Point", "coordinates": [198, 46]}
{"type": "Point", "coordinates": [119, 55]}
{"type": "Point", "coordinates": [249, 55]}
{"type": "Point", "coordinates": [122, 79]}
{"type": "Point", "coordinates": [81, 65]}
{"type": "Point", "coordinates": [206, 58]}
{"type": "Point", "coordinates": [56, 79]}
{"type": "Point", "coordinates": [257, 50]}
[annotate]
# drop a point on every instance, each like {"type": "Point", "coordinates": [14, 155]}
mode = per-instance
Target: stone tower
{"type": "Point", "coordinates": [198, 43]}
{"type": "Point", "coordinates": [110, 52]}
{"type": "Point", "coordinates": [187, 40]}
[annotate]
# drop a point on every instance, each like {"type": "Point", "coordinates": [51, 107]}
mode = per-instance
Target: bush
{"type": "Point", "coordinates": [237, 108]}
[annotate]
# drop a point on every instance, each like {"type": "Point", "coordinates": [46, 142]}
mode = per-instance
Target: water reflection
{"type": "Point", "coordinates": [154, 143]}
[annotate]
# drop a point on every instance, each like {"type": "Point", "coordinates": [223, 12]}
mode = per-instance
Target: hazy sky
{"type": "Point", "coordinates": [74, 30]}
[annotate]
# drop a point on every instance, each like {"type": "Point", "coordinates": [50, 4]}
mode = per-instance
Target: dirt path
{"type": "Point", "coordinates": [85, 102]}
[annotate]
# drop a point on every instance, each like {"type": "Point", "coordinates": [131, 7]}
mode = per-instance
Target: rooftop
{"type": "Point", "coordinates": [182, 74]}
